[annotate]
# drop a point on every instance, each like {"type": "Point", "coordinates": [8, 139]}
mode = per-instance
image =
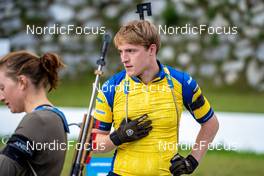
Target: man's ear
{"type": "Point", "coordinates": [22, 82]}
{"type": "Point", "coordinates": [152, 49]}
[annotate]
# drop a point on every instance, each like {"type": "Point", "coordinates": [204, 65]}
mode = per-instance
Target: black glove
{"type": "Point", "coordinates": [131, 130]}
{"type": "Point", "coordinates": [181, 165]}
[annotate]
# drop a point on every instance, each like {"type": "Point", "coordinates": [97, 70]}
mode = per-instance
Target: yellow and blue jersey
{"type": "Point", "coordinates": [148, 156]}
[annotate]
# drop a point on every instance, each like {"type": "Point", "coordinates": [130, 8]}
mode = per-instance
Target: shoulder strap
{"type": "Point", "coordinates": [168, 77]}
{"type": "Point", "coordinates": [126, 91]}
{"type": "Point", "coordinates": [171, 86]}
{"type": "Point", "coordinates": [56, 111]}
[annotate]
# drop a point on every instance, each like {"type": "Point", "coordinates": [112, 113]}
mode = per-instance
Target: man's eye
{"type": "Point", "coordinates": [131, 50]}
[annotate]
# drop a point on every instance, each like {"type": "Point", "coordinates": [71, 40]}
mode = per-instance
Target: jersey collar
{"type": "Point", "coordinates": [159, 76]}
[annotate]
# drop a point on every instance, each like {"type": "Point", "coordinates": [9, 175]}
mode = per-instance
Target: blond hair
{"type": "Point", "coordinates": [138, 32]}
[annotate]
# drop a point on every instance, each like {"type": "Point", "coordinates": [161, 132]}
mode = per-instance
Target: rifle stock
{"type": "Point", "coordinates": [78, 142]}
{"type": "Point", "coordinates": [88, 144]}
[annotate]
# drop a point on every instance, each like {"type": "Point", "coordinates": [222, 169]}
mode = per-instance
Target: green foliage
{"type": "Point", "coordinates": [170, 16]}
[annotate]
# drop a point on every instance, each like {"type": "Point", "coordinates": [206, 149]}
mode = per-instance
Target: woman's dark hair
{"type": "Point", "coordinates": [42, 71]}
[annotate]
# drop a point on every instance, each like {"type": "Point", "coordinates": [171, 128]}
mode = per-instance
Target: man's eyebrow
{"type": "Point", "coordinates": [127, 49]}
{"type": "Point", "coordinates": [130, 49]}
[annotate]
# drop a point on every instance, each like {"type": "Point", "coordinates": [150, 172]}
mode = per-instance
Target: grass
{"type": "Point", "coordinates": [217, 163]}
{"type": "Point", "coordinates": [236, 102]}
{"type": "Point", "coordinates": [71, 95]}
{"type": "Point", "coordinates": [237, 98]}
{"type": "Point", "coordinates": [230, 163]}
{"type": "Point", "coordinates": [73, 92]}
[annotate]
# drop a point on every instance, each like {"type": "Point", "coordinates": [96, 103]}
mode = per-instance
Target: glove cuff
{"type": "Point", "coordinates": [115, 139]}
{"type": "Point", "coordinates": [193, 161]}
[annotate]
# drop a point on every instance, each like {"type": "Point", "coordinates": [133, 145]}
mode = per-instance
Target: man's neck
{"type": "Point", "coordinates": [149, 74]}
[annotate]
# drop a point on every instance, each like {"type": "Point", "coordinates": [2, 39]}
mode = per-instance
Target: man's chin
{"type": "Point", "coordinates": [131, 74]}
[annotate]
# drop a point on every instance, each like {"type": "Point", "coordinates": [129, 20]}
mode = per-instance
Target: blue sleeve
{"type": "Point", "coordinates": [194, 101]}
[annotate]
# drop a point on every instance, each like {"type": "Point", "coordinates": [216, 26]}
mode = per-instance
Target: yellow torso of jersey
{"type": "Point", "coordinates": [156, 100]}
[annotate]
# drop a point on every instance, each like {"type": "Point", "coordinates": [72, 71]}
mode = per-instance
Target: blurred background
{"type": "Point", "coordinates": [229, 67]}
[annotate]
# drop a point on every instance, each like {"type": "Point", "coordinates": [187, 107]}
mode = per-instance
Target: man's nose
{"type": "Point", "coordinates": [124, 57]}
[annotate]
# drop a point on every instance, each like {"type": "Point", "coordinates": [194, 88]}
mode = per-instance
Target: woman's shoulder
{"type": "Point", "coordinates": [40, 117]}
{"type": "Point", "coordinates": [39, 120]}
{"type": "Point", "coordinates": [37, 124]}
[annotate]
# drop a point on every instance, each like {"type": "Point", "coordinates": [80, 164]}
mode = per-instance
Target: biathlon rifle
{"type": "Point", "coordinates": [83, 152]}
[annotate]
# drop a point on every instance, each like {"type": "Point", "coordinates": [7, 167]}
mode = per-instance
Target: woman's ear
{"type": "Point", "coordinates": [22, 82]}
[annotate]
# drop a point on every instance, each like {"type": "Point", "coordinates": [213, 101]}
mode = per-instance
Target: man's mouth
{"type": "Point", "coordinates": [128, 66]}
